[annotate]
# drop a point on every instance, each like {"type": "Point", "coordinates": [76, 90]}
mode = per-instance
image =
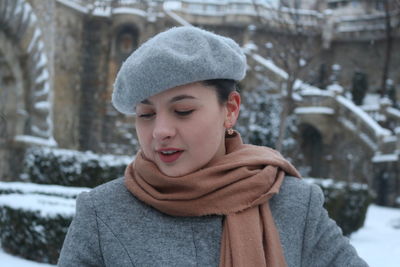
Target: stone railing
{"type": "Point", "coordinates": [104, 7]}
{"type": "Point", "coordinates": [352, 117]}
{"type": "Point", "coordinates": [349, 115]}
{"type": "Point", "coordinates": [368, 129]}
{"type": "Point", "coordinates": [240, 12]}
{"type": "Point", "coordinates": [365, 26]}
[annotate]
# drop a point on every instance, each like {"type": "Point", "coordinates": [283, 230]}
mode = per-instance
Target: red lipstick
{"type": "Point", "coordinates": [169, 155]}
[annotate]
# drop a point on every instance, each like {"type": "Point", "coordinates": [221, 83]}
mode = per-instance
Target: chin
{"type": "Point", "coordinates": [175, 172]}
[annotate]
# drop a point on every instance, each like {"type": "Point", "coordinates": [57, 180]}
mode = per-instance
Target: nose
{"type": "Point", "coordinates": [164, 128]}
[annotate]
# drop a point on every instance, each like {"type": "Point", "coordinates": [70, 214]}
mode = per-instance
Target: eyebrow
{"type": "Point", "coordinates": [174, 99]}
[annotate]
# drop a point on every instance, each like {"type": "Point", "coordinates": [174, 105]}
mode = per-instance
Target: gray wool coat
{"type": "Point", "coordinates": [113, 228]}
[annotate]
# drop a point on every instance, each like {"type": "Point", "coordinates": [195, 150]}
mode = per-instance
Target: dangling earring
{"type": "Point", "coordinates": [229, 131]}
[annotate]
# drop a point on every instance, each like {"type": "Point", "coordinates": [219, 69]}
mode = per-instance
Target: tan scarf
{"type": "Point", "coordinates": [237, 185]}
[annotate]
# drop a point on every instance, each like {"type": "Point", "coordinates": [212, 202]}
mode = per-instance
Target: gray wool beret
{"type": "Point", "coordinates": [178, 56]}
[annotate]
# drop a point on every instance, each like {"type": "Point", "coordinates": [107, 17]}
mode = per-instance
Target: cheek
{"type": "Point", "coordinates": [144, 137]}
{"type": "Point", "coordinates": [207, 133]}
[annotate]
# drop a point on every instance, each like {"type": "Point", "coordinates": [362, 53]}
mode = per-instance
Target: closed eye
{"type": "Point", "coordinates": [184, 113]}
{"type": "Point", "coordinates": [146, 115]}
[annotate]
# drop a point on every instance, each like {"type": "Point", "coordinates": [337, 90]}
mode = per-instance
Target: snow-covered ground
{"type": "Point", "coordinates": [378, 242]}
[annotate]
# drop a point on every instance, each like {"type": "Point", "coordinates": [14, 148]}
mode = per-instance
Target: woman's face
{"type": "Point", "coordinates": [182, 129]}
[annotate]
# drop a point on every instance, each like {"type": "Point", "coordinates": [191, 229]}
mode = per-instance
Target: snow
{"type": "Point", "coordinates": [35, 140]}
{"type": "Point", "coordinates": [128, 10]}
{"type": "Point", "coordinates": [103, 159]}
{"type": "Point", "coordinates": [177, 18]}
{"type": "Point", "coordinates": [377, 242]}
{"type": "Point", "coordinates": [364, 116]}
{"type": "Point", "coordinates": [269, 45]}
{"type": "Point", "coordinates": [102, 12]}
{"type": "Point", "coordinates": [47, 206]}
{"type": "Point", "coordinates": [36, 35]}
{"type": "Point", "coordinates": [26, 11]}
{"type": "Point", "coordinates": [44, 91]}
{"type": "Point", "coordinates": [43, 133]}
{"type": "Point", "coordinates": [394, 112]}
{"type": "Point", "coordinates": [74, 5]}
{"type": "Point", "coordinates": [8, 260]}
{"type": "Point", "coordinates": [330, 183]}
{"type": "Point", "coordinates": [335, 88]}
{"type": "Point", "coordinates": [270, 65]}
{"type": "Point", "coordinates": [385, 158]}
{"type": "Point", "coordinates": [336, 67]}
{"type": "Point", "coordinates": [42, 61]}
{"type": "Point", "coordinates": [308, 90]}
{"type": "Point", "coordinates": [172, 5]}
{"type": "Point", "coordinates": [32, 188]}
{"type": "Point", "coordinates": [371, 99]}
{"type": "Point", "coordinates": [43, 76]}
{"type": "Point", "coordinates": [390, 139]}
{"type": "Point", "coordinates": [250, 47]}
{"type": "Point", "coordinates": [42, 105]}
{"type": "Point", "coordinates": [314, 110]}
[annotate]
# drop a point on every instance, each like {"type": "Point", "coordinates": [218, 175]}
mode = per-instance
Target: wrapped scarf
{"type": "Point", "coordinates": [237, 185]}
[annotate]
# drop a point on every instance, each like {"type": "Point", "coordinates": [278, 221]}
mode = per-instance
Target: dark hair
{"type": "Point", "coordinates": [223, 87]}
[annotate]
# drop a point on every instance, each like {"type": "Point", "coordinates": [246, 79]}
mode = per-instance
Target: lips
{"type": "Point", "coordinates": [169, 155]}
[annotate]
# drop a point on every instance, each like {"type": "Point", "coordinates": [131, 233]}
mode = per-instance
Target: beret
{"type": "Point", "coordinates": [178, 56]}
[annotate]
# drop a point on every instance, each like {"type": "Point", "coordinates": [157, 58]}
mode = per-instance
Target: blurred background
{"type": "Point", "coordinates": [322, 87]}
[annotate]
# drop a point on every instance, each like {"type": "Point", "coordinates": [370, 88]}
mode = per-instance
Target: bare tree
{"type": "Point", "coordinates": [295, 42]}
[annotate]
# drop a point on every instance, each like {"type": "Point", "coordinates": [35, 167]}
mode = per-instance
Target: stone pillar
{"type": "Point", "coordinates": [95, 58]}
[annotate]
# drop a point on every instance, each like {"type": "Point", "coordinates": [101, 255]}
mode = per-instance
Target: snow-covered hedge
{"type": "Point", "coordinates": [347, 203]}
{"type": "Point", "coordinates": [31, 188]}
{"type": "Point", "coordinates": [34, 226]}
{"type": "Point", "coordinates": [34, 218]}
{"type": "Point", "coordinates": [72, 168]}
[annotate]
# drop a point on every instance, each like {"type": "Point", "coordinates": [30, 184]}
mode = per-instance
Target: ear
{"type": "Point", "coordinates": [233, 108]}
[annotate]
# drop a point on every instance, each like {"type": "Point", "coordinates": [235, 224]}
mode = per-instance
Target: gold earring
{"type": "Point", "coordinates": [229, 131]}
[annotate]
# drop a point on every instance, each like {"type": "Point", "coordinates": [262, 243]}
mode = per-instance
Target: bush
{"type": "Point", "coordinates": [72, 168]}
{"type": "Point", "coordinates": [346, 203]}
{"type": "Point", "coordinates": [49, 190]}
{"type": "Point", "coordinates": [34, 226]}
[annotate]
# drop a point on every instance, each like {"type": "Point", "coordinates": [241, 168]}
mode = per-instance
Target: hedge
{"type": "Point", "coordinates": [41, 189]}
{"type": "Point", "coordinates": [72, 168]}
{"type": "Point", "coordinates": [34, 226]}
{"type": "Point", "coordinates": [346, 203]}
{"type": "Point", "coordinates": [34, 222]}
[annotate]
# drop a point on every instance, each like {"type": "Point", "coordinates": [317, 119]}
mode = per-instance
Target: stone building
{"type": "Point", "coordinates": [59, 59]}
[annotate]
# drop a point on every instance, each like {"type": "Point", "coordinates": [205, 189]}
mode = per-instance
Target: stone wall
{"type": "Point", "coordinates": [365, 56]}
{"type": "Point", "coordinates": [340, 153]}
{"type": "Point", "coordinates": [67, 75]}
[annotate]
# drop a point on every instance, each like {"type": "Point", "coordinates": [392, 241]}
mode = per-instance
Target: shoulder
{"type": "Point", "coordinates": [297, 192]}
{"type": "Point", "coordinates": [111, 199]}
{"type": "Point", "coordinates": [291, 208]}
{"type": "Point", "coordinates": [292, 205]}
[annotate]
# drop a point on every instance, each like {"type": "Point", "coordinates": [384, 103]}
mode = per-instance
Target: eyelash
{"type": "Point", "coordinates": [147, 115]}
{"type": "Point", "coordinates": [184, 113]}
{"type": "Point", "coordinates": [179, 113]}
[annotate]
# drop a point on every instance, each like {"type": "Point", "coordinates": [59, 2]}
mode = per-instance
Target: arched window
{"type": "Point", "coordinates": [126, 42]}
{"type": "Point", "coordinates": [312, 148]}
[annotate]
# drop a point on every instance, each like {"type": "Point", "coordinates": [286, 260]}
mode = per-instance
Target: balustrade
{"type": "Point", "coordinates": [353, 118]}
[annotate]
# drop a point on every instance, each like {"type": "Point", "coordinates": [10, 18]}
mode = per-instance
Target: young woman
{"type": "Point", "coordinates": [195, 195]}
